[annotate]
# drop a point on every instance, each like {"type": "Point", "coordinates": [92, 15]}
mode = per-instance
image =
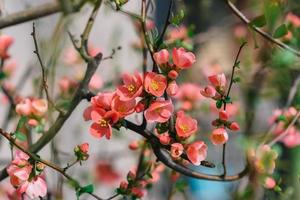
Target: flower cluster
{"type": "Point", "coordinates": [27, 177]}
{"type": "Point", "coordinates": [33, 109]}
{"type": "Point", "coordinates": [137, 186]}
{"type": "Point", "coordinates": [81, 151]}
{"type": "Point", "coordinates": [216, 91]}
{"type": "Point", "coordinates": [281, 119]}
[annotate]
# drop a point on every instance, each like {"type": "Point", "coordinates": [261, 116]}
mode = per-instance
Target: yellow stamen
{"type": "Point", "coordinates": [184, 127]}
{"type": "Point", "coordinates": [154, 85]}
{"type": "Point", "coordinates": [103, 123]}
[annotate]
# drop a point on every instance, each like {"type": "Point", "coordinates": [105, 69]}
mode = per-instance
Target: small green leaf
{"type": "Point", "coordinates": [236, 79]}
{"type": "Point", "coordinates": [2, 75]}
{"type": "Point", "coordinates": [259, 21]}
{"type": "Point", "coordinates": [219, 104]}
{"type": "Point", "coordinates": [20, 136]}
{"type": "Point", "coordinates": [280, 31]}
{"type": "Point", "coordinates": [177, 19]}
{"type": "Point", "coordinates": [228, 100]}
{"type": "Point", "coordinates": [21, 123]}
{"type": "Point", "coordinates": [277, 189]}
{"type": "Point", "coordinates": [86, 189]}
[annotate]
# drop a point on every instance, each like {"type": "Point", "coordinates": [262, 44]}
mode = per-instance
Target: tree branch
{"type": "Point", "coordinates": [264, 34]}
{"type": "Point", "coordinates": [29, 14]}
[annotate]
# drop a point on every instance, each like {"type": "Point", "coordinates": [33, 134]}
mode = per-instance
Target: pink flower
{"type": "Point", "coordinates": [105, 173]}
{"type": "Point", "coordinates": [103, 100]}
{"type": "Point", "coordinates": [234, 126]}
{"type": "Point", "coordinates": [5, 42]}
{"type": "Point", "coordinates": [96, 82]}
{"type": "Point", "coordinates": [208, 91]}
{"type": "Point", "coordinates": [164, 138]}
{"type": "Point", "coordinates": [102, 123]}
{"type": "Point", "coordinates": [173, 74]}
{"type": "Point", "coordinates": [183, 59]}
{"type": "Point", "coordinates": [159, 111]}
{"type": "Point", "coordinates": [39, 107]}
{"type": "Point", "coordinates": [196, 152]}
{"type": "Point", "coordinates": [218, 81]}
{"type": "Point", "coordinates": [132, 88]}
{"type": "Point", "coordinates": [84, 147]}
{"type": "Point", "coordinates": [123, 185]}
{"type": "Point", "coordinates": [172, 89]}
{"type": "Point", "coordinates": [66, 83]}
{"type": "Point", "coordinates": [223, 115]}
{"type": "Point", "coordinates": [140, 107]}
{"type": "Point", "coordinates": [24, 107]}
{"type": "Point", "coordinates": [176, 150]}
{"type": "Point", "coordinates": [161, 57]}
{"type": "Point", "coordinates": [180, 33]}
{"type": "Point", "coordinates": [33, 122]}
{"type": "Point", "coordinates": [138, 192]}
{"type": "Point", "coordinates": [134, 145]}
{"type": "Point", "coordinates": [35, 188]}
{"type": "Point", "coordinates": [293, 19]}
{"type": "Point", "coordinates": [124, 108]}
{"type": "Point", "coordinates": [219, 136]}
{"type": "Point", "coordinates": [189, 94]}
{"type": "Point", "coordinates": [270, 183]}
{"type": "Point", "coordinates": [185, 125]}
{"type": "Point", "coordinates": [155, 84]}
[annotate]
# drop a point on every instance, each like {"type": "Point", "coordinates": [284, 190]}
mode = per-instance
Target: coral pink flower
{"type": "Point", "coordinates": [66, 83]}
{"type": "Point", "coordinates": [294, 19]}
{"type": "Point", "coordinates": [33, 122]}
{"type": "Point", "coordinates": [180, 33]}
{"type": "Point", "coordinates": [84, 147]}
{"type": "Point", "coordinates": [102, 123]}
{"type": "Point", "coordinates": [173, 74]}
{"type": "Point", "coordinates": [132, 88]}
{"type": "Point", "coordinates": [124, 108]}
{"type": "Point", "coordinates": [219, 136]}
{"type": "Point", "coordinates": [5, 42]}
{"type": "Point", "coordinates": [155, 84]}
{"type": "Point", "coordinates": [96, 82]}
{"type": "Point", "coordinates": [208, 91]}
{"type": "Point", "coordinates": [196, 152]}
{"type": "Point", "coordinates": [172, 89]}
{"type": "Point", "coordinates": [223, 115]}
{"type": "Point", "coordinates": [189, 93]}
{"type": "Point", "coordinates": [134, 145]}
{"type": "Point", "coordinates": [234, 126]}
{"type": "Point", "coordinates": [164, 138]}
{"type": "Point", "coordinates": [270, 183]}
{"type": "Point", "coordinates": [71, 57]}
{"type": "Point", "coordinates": [39, 107]}
{"type": "Point", "coordinates": [140, 107]}
{"type": "Point", "coordinates": [176, 150]}
{"type": "Point", "coordinates": [183, 59]}
{"type": "Point", "coordinates": [103, 100]}
{"type": "Point", "coordinates": [19, 169]}
{"type": "Point", "coordinates": [123, 185]}
{"type": "Point", "coordinates": [218, 81]}
{"type": "Point", "coordinates": [159, 111]}
{"type": "Point", "coordinates": [185, 125]}
{"type": "Point", "coordinates": [161, 57]}
{"type": "Point", "coordinates": [24, 107]}
{"type": "Point", "coordinates": [138, 192]}
{"type": "Point", "coordinates": [35, 188]}
{"type": "Point", "coordinates": [105, 173]}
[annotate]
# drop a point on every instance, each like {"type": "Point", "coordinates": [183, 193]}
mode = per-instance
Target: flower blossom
{"type": "Point", "coordinates": [161, 57]}
{"type": "Point", "coordinates": [219, 136]}
{"type": "Point", "coordinates": [5, 42]}
{"type": "Point", "coordinates": [132, 88]}
{"type": "Point", "coordinates": [183, 59]}
{"type": "Point", "coordinates": [159, 111]}
{"type": "Point", "coordinates": [176, 150]}
{"type": "Point", "coordinates": [34, 188]}
{"type": "Point", "coordinates": [155, 84]}
{"type": "Point", "coordinates": [196, 152]}
{"type": "Point", "coordinates": [185, 125]}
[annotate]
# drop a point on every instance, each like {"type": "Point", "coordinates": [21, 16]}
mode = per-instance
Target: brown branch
{"type": "Point", "coordinates": [264, 34]}
{"type": "Point", "coordinates": [29, 14]}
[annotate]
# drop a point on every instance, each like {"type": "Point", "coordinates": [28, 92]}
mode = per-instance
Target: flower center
{"type": "Point", "coordinates": [103, 123]}
{"type": "Point", "coordinates": [130, 88]}
{"type": "Point", "coordinates": [154, 85]}
{"type": "Point", "coordinates": [184, 127]}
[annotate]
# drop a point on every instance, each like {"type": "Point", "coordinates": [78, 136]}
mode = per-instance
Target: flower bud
{"type": "Point", "coordinates": [223, 115]}
{"type": "Point", "coordinates": [234, 126]}
{"type": "Point", "coordinates": [172, 89]}
{"type": "Point", "coordinates": [173, 74]}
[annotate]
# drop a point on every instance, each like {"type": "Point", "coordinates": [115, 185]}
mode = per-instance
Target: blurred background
{"type": "Point", "coordinates": [211, 31]}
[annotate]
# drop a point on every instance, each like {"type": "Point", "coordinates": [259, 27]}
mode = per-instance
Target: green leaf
{"type": "Point", "coordinates": [219, 103]}
{"type": "Point", "coordinates": [2, 75]}
{"type": "Point", "coordinates": [273, 10]}
{"type": "Point", "coordinates": [259, 21]}
{"type": "Point", "coordinates": [228, 100]}
{"type": "Point", "coordinates": [86, 189]}
{"type": "Point", "coordinates": [177, 19]}
{"type": "Point", "coordinates": [20, 136]}
{"type": "Point", "coordinates": [21, 123]}
{"type": "Point", "coordinates": [280, 31]}
{"type": "Point", "coordinates": [236, 79]}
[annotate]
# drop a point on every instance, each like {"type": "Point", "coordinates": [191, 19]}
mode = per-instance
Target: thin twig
{"type": "Point", "coordinates": [264, 34]}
